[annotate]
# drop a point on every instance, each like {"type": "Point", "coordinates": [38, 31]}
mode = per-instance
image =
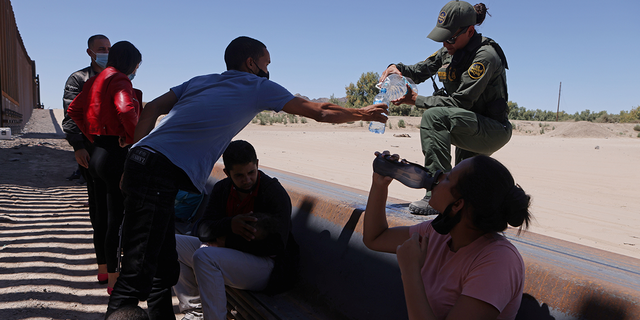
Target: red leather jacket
{"type": "Point", "coordinates": [108, 106]}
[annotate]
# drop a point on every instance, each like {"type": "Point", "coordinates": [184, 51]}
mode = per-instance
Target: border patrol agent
{"type": "Point", "coordinates": [470, 112]}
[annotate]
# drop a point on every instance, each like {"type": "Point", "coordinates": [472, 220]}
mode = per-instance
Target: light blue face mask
{"type": "Point", "coordinates": [131, 76]}
{"type": "Point", "coordinates": [101, 59]}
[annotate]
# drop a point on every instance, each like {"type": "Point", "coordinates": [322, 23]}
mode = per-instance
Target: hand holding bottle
{"type": "Point", "coordinates": [392, 69]}
{"type": "Point", "coordinates": [410, 174]}
{"type": "Point", "coordinates": [409, 98]}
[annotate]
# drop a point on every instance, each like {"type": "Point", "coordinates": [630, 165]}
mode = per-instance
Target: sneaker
{"type": "Point", "coordinates": [75, 175]}
{"type": "Point", "coordinates": [193, 314]}
{"type": "Point", "coordinates": [422, 207]}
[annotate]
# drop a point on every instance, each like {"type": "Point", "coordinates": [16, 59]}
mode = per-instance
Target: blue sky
{"type": "Point", "coordinates": [320, 47]}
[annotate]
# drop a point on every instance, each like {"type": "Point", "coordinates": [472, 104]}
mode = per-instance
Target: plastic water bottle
{"type": "Point", "coordinates": [392, 88]}
{"type": "Point", "coordinates": [396, 86]}
{"type": "Point", "coordinates": [375, 126]}
{"type": "Point", "coordinates": [410, 174]}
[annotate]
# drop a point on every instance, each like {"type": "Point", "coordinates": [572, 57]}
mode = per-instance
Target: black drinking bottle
{"type": "Point", "coordinates": [410, 174]}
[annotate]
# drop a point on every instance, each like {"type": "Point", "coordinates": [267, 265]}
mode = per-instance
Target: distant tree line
{"type": "Point", "coordinates": [362, 93]}
{"type": "Point", "coordinates": [522, 113]}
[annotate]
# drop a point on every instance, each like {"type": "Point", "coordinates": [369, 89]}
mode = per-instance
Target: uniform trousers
{"type": "Point", "coordinates": [150, 261]}
{"type": "Point", "coordinates": [471, 133]}
{"type": "Point", "coordinates": [205, 271]}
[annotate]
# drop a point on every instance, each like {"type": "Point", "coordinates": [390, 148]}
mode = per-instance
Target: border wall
{"type": "Point", "coordinates": [18, 80]}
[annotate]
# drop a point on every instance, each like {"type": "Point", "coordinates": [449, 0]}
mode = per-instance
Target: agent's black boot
{"type": "Point", "coordinates": [422, 207]}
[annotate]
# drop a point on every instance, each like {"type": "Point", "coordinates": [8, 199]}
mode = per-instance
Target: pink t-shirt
{"type": "Point", "coordinates": [489, 269]}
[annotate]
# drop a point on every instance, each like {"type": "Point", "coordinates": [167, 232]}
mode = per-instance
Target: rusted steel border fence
{"type": "Point", "coordinates": [19, 83]}
{"type": "Point", "coordinates": [571, 280]}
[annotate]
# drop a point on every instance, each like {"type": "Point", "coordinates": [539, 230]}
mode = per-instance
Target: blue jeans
{"type": "Point", "coordinates": [150, 261]}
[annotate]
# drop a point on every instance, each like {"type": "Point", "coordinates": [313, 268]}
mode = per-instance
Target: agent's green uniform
{"type": "Point", "coordinates": [473, 116]}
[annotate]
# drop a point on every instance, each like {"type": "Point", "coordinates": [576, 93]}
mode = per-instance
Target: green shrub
{"type": "Point", "coordinates": [401, 124]}
{"type": "Point", "coordinates": [303, 120]}
{"type": "Point", "coordinates": [636, 127]}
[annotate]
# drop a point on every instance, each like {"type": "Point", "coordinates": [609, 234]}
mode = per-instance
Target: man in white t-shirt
{"type": "Point", "coordinates": [203, 115]}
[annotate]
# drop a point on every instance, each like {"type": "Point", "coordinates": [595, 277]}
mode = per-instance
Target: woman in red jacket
{"type": "Point", "coordinates": [107, 112]}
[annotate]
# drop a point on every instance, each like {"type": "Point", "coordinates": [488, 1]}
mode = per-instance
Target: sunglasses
{"type": "Point", "coordinates": [452, 40]}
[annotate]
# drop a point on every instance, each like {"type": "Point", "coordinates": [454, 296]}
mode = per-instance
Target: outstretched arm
{"type": "Point", "coordinates": [328, 112]}
{"type": "Point", "coordinates": [160, 105]}
{"type": "Point", "coordinates": [376, 234]}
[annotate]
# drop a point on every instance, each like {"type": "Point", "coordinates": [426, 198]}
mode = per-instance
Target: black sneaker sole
{"type": "Point", "coordinates": [422, 211]}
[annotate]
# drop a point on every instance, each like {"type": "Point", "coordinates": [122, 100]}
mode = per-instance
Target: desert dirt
{"type": "Point", "coordinates": [582, 177]}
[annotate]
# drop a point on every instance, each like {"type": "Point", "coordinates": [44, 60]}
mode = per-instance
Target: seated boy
{"type": "Point", "coordinates": [235, 246]}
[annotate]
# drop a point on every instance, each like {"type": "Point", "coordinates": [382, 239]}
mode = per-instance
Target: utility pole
{"type": "Point", "coordinates": [558, 111]}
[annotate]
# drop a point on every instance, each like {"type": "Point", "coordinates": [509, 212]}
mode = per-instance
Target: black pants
{"type": "Point", "coordinates": [106, 167]}
{"type": "Point", "coordinates": [150, 262]}
{"type": "Point", "coordinates": [97, 196]}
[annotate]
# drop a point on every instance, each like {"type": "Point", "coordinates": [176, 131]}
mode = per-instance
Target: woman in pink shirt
{"type": "Point", "coordinates": [459, 265]}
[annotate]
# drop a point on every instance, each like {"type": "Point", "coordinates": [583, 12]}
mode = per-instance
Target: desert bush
{"type": "Point", "coordinates": [630, 116]}
{"type": "Point", "coordinates": [401, 124]}
{"type": "Point", "coordinates": [636, 127]}
{"type": "Point", "coordinates": [269, 117]}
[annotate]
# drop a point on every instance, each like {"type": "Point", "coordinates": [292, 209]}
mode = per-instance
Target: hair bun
{"type": "Point", "coordinates": [515, 206]}
{"type": "Point", "coordinates": [481, 12]}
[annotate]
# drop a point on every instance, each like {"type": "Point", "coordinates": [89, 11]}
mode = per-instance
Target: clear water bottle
{"type": "Point", "coordinates": [375, 126]}
{"type": "Point", "coordinates": [410, 174]}
{"type": "Point", "coordinates": [396, 86]}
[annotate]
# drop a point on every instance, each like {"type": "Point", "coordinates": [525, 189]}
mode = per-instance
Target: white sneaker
{"type": "Point", "coordinates": [193, 314]}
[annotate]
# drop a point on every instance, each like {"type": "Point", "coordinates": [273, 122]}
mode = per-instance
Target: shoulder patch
{"type": "Point", "coordinates": [476, 71]}
{"type": "Point", "coordinates": [433, 55]}
{"type": "Point", "coordinates": [441, 17]}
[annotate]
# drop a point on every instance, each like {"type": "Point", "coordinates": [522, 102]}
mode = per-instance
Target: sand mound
{"type": "Point", "coordinates": [583, 129]}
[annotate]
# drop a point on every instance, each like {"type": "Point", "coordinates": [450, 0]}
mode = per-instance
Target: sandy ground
{"type": "Point", "coordinates": [47, 262]}
{"type": "Point", "coordinates": [582, 177]}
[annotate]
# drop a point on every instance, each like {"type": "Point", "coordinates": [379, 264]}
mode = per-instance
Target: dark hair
{"type": "Point", "coordinates": [124, 56]}
{"type": "Point", "coordinates": [94, 38]}
{"type": "Point", "coordinates": [240, 49]}
{"type": "Point", "coordinates": [129, 313]}
{"type": "Point", "coordinates": [496, 200]}
{"type": "Point", "coordinates": [239, 152]}
{"type": "Point", "coordinates": [481, 13]}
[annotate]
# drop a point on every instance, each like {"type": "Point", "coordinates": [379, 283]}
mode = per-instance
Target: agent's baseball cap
{"type": "Point", "coordinates": [453, 16]}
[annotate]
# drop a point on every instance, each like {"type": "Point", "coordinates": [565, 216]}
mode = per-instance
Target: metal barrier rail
{"type": "Point", "coordinates": [574, 281]}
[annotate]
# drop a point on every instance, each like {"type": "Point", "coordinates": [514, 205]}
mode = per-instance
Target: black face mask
{"type": "Point", "coordinates": [262, 73]}
{"type": "Point", "coordinates": [444, 222]}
